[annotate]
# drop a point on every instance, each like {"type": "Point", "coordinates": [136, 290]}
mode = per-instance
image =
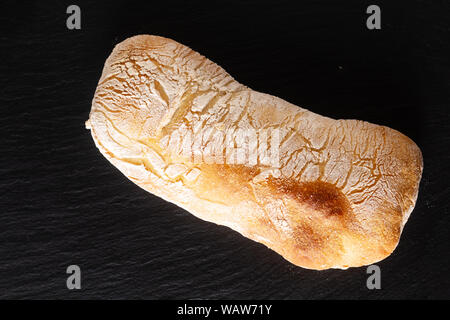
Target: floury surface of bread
{"type": "Point", "coordinates": [341, 190]}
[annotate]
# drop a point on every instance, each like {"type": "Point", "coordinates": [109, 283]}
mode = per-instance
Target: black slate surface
{"type": "Point", "coordinates": [62, 203]}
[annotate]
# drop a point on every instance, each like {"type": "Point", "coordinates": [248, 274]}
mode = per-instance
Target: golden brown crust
{"type": "Point", "coordinates": [339, 198]}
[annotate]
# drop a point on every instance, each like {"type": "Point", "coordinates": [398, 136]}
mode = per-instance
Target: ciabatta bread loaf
{"type": "Point", "coordinates": [323, 193]}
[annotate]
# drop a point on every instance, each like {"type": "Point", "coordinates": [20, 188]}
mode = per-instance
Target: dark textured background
{"type": "Point", "coordinates": [62, 203]}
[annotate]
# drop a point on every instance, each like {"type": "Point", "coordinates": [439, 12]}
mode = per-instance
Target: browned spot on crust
{"type": "Point", "coordinates": [226, 179]}
{"type": "Point", "coordinates": [307, 239]}
{"type": "Point", "coordinates": [321, 197]}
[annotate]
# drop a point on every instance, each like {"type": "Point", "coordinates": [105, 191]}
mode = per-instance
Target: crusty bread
{"type": "Point", "coordinates": [338, 196]}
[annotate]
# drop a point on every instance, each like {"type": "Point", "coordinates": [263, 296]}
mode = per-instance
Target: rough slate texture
{"type": "Point", "coordinates": [62, 203]}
